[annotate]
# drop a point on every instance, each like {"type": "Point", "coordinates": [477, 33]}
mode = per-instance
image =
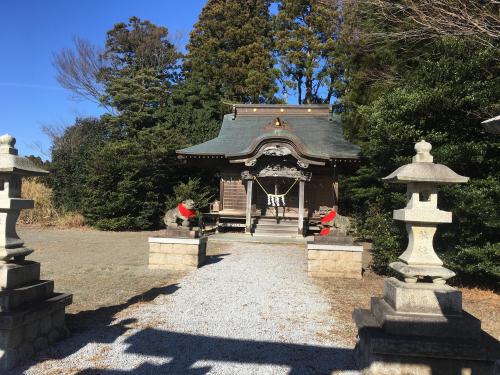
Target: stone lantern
{"type": "Point", "coordinates": [421, 215]}
{"type": "Point", "coordinates": [32, 315]}
{"type": "Point", "coordinates": [418, 326]}
{"type": "Point", "coordinates": [12, 169]}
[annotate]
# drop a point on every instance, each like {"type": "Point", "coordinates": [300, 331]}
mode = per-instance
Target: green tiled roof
{"type": "Point", "coordinates": [316, 136]}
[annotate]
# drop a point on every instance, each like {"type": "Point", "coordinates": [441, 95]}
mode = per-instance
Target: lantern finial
{"type": "Point", "coordinates": [423, 149]}
{"type": "Point", "coordinates": [7, 143]}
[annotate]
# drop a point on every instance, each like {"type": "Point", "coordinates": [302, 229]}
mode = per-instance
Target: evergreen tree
{"type": "Point", "coordinates": [71, 152]}
{"type": "Point", "coordinates": [306, 33]}
{"type": "Point", "coordinates": [137, 45]}
{"type": "Point", "coordinates": [230, 55]}
{"type": "Point", "coordinates": [130, 179]}
{"type": "Point", "coordinates": [439, 90]}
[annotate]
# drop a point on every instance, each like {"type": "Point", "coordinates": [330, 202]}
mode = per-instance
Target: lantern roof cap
{"type": "Point", "coordinates": [10, 162]}
{"type": "Point", "coordinates": [423, 169]}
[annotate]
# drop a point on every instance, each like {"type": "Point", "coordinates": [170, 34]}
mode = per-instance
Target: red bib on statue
{"type": "Point", "coordinates": [185, 211]}
{"type": "Point", "coordinates": [329, 217]}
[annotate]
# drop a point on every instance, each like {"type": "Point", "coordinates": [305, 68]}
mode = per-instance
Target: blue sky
{"type": "Point", "coordinates": [33, 30]}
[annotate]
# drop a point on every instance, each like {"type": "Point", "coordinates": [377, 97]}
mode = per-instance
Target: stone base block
{"type": "Point", "coordinates": [177, 254]}
{"type": "Point", "coordinates": [28, 330]}
{"type": "Point", "coordinates": [181, 232]}
{"type": "Point", "coordinates": [426, 298]}
{"type": "Point", "coordinates": [13, 275]}
{"type": "Point", "coordinates": [380, 353]}
{"type": "Point", "coordinates": [393, 322]}
{"type": "Point", "coordinates": [328, 260]}
{"type": "Point", "coordinates": [11, 299]}
{"type": "Point", "coordinates": [334, 239]}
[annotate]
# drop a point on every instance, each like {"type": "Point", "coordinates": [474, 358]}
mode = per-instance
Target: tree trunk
{"type": "Point", "coordinates": [299, 89]}
{"type": "Point", "coordinates": [309, 90]}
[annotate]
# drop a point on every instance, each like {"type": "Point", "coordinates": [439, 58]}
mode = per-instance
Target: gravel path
{"type": "Point", "coordinates": [252, 310]}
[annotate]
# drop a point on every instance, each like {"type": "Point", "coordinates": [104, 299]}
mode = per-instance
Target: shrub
{"type": "Point", "coordinates": [192, 189]}
{"type": "Point", "coordinates": [477, 265]}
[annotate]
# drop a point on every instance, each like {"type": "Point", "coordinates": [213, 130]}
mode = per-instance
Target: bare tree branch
{"type": "Point", "coordinates": [78, 70]}
{"type": "Point", "coordinates": [418, 20]}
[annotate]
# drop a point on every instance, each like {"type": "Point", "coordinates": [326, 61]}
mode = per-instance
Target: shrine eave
{"type": "Point", "coordinates": [315, 137]}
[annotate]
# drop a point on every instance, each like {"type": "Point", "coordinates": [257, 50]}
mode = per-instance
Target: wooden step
{"type": "Point", "coordinates": [275, 234]}
{"type": "Point", "coordinates": [282, 225]}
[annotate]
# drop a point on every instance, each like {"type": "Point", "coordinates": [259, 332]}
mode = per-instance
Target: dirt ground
{"type": "Point", "coordinates": [107, 272]}
{"type": "Point", "coordinates": [347, 294]}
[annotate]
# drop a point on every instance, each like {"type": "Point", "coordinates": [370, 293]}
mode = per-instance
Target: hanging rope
{"type": "Point", "coordinates": [275, 199]}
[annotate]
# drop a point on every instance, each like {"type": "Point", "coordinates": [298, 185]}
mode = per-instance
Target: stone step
{"type": "Point", "coordinates": [14, 298]}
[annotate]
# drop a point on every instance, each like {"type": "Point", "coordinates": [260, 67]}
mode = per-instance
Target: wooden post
{"type": "Point", "coordinates": [248, 221]}
{"type": "Point", "coordinates": [301, 208]}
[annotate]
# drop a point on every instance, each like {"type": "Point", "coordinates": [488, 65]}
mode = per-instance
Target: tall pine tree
{"type": "Point", "coordinates": [306, 34]}
{"type": "Point", "coordinates": [230, 55]}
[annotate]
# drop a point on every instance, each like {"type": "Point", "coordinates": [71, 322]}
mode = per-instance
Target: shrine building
{"type": "Point", "coordinates": [279, 166]}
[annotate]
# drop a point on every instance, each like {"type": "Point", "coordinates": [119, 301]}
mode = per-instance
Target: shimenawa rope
{"type": "Point", "coordinates": [275, 199]}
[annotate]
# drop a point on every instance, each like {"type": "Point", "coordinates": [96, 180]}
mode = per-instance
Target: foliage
{"type": "Point", "coordinates": [138, 45]}
{"type": "Point", "coordinates": [477, 265]}
{"type": "Point", "coordinates": [305, 41]}
{"type": "Point", "coordinates": [130, 179]}
{"type": "Point", "coordinates": [395, 94]}
{"type": "Point", "coordinates": [230, 55]}
{"type": "Point", "coordinates": [388, 241]}
{"type": "Point", "coordinates": [69, 169]}
{"type": "Point", "coordinates": [192, 189]}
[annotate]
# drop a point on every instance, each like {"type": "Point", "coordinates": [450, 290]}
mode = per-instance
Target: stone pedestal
{"type": "Point", "coordinates": [380, 353]}
{"type": "Point", "coordinates": [177, 254]}
{"type": "Point", "coordinates": [330, 260]}
{"type": "Point", "coordinates": [32, 316]}
{"type": "Point", "coordinates": [421, 329]}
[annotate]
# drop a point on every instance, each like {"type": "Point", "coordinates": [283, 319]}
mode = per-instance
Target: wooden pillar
{"type": "Point", "coordinates": [301, 208]}
{"type": "Point", "coordinates": [248, 221]}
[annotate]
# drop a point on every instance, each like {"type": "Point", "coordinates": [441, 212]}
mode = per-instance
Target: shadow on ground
{"type": "Point", "coordinates": [212, 259]}
{"type": "Point", "coordinates": [182, 351]}
{"type": "Point", "coordinates": [103, 317]}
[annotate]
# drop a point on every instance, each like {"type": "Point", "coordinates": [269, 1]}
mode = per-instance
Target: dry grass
{"type": "Point", "coordinates": [44, 210]}
{"type": "Point", "coordinates": [345, 295]}
{"type": "Point", "coordinates": [44, 213]}
{"type": "Point", "coordinates": [70, 220]}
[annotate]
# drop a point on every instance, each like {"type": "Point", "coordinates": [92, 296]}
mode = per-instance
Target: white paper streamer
{"type": "Point", "coordinates": [276, 200]}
